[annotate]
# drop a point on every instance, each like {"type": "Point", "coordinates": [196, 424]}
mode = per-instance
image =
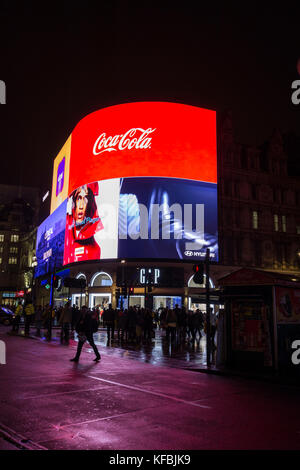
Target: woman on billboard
{"type": "Point", "coordinates": [83, 222]}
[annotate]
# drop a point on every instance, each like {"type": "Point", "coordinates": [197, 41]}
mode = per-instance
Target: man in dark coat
{"type": "Point", "coordinates": [109, 321]}
{"type": "Point", "coordinates": [86, 326]}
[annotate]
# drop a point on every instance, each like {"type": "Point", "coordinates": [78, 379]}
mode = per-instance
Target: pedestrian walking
{"type": "Point", "coordinates": [171, 320]}
{"type": "Point", "coordinates": [198, 323]}
{"type": "Point", "coordinates": [109, 322]}
{"type": "Point", "coordinates": [148, 326]}
{"type": "Point", "coordinates": [181, 324]}
{"type": "Point", "coordinates": [65, 322]}
{"type": "Point", "coordinates": [131, 324]}
{"type": "Point", "coordinates": [213, 328]}
{"type": "Point", "coordinates": [75, 316]}
{"type": "Point", "coordinates": [29, 314]}
{"type": "Point", "coordinates": [86, 326]}
{"type": "Point", "coordinates": [38, 320]}
{"type": "Point", "coordinates": [191, 325]}
{"type": "Point", "coordinates": [139, 326]}
{"type": "Point", "coordinates": [17, 319]}
{"type": "Point", "coordinates": [123, 325]}
{"type": "Point", "coordinates": [48, 316]}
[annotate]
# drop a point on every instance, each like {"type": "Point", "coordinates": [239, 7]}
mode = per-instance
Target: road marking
{"type": "Point", "coordinates": [158, 394]}
{"type": "Point", "coordinates": [19, 440]}
{"type": "Point", "coordinates": [59, 393]}
{"type": "Point", "coordinates": [93, 420]}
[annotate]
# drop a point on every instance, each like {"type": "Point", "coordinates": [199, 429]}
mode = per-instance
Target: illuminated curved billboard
{"type": "Point", "coordinates": [141, 182]}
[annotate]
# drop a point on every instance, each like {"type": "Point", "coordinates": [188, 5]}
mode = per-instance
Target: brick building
{"type": "Point", "coordinates": [19, 211]}
{"type": "Point", "coordinates": [259, 204]}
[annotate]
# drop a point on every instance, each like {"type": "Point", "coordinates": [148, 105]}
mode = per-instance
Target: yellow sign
{"type": "Point", "coordinates": [60, 181]}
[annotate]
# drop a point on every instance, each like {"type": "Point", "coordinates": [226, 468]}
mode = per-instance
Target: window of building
{"type": "Point", "coordinates": [0, 260]}
{"type": "Point", "coordinates": [1, 237]}
{"type": "Point", "coordinates": [101, 279]}
{"type": "Point", "coordinates": [283, 220]}
{"type": "Point", "coordinates": [1, 249]}
{"type": "Point", "coordinates": [12, 260]}
{"type": "Point", "coordinates": [191, 282]}
{"type": "Point", "coordinates": [255, 220]}
{"type": "Point", "coordinates": [14, 238]}
{"type": "Point", "coordinates": [276, 223]}
{"type": "Point", "coordinates": [13, 249]}
{"type": "Point", "coordinates": [298, 229]}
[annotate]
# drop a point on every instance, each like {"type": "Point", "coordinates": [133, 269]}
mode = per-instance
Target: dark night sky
{"type": "Point", "coordinates": [60, 65]}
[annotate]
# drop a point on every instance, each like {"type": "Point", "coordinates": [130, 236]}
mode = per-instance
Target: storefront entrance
{"type": "Point", "coordinates": [101, 301]}
{"type": "Point", "coordinates": [76, 300]}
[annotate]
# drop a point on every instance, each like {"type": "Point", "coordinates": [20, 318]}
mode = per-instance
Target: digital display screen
{"type": "Point", "coordinates": [50, 242]}
{"type": "Point", "coordinates": [60, 181]}
{"type": "Point", "coordinates": [139, 180]}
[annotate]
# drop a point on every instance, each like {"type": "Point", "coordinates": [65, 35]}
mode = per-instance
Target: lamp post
{"type": "Point", "coordinates": [208, 341]}
{"type": "Point", "coordinates": [32, 284]}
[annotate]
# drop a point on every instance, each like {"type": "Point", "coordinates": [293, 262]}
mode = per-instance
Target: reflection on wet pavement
{"type": "Point", "coordinates": [162, 352]}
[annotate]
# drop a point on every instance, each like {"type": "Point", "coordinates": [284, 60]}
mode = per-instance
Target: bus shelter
{"type": "Point", "coordinates": [262, 313]}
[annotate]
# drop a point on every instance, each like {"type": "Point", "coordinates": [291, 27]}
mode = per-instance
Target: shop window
{"type": "Point", "coordinates": [101, 280]}
{"type": "Point", "coordinates": [191, 283]}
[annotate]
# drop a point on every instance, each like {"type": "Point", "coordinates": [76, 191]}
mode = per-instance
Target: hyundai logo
{"type": "Point", "coordinates": [188, 253]}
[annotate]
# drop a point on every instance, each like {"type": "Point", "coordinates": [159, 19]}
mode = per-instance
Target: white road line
{"type": "Point", "coordinates": [59, 393]}
{"type": "Point", "coordinates": [143, 390]}
{"type": "Point", "coordinates": [95, 420]}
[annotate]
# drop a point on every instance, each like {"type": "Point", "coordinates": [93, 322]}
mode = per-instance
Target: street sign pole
{"type": "Point", "coordinates": [208, 342]}
{"type": "Point", "coordinates": [51, 304]}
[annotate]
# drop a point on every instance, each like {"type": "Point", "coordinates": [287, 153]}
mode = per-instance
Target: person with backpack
{"type": "Point", "coordinates": [86, 326]}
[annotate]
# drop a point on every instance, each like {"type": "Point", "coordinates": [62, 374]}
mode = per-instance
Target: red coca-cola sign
{"type": "Point", "coordinates": [144, 139]}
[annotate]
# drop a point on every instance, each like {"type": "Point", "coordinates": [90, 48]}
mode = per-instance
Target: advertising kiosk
{"type": "Point", "coordinates": [262, 320]}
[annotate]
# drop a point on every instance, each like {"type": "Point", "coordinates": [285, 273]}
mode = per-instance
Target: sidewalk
{"type": "Point", "coordinates": [158, 352]}
{"type": "Point", "coordinates": [124, 403]}
{"type": "Point", "coordinates": [188, 355]}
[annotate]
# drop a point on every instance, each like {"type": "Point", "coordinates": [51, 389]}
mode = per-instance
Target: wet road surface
{"type": "Point", "coordinates": [129, 401]}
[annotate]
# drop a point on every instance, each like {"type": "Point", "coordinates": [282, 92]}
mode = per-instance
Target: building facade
{"type": "Point", "coordinates": [258, 227]}
{"type": "Point", "coordinates": [259, 218]}
{"type": "Point", "coordinates": [19, 209]}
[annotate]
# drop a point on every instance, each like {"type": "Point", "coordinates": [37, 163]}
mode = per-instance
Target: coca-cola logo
{"type": "Point", "coordinates": [136, 138]}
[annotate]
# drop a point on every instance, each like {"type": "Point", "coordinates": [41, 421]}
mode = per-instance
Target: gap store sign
{"type": "Point", "coordinates": [139, 180]}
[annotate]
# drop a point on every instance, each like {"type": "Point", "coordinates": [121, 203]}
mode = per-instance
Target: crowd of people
{"type": "Point", "coordinates": [133, 325]}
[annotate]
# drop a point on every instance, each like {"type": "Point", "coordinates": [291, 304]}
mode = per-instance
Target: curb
{"type": "Point", "coordinates": [18, 440]}
{"type": "Point", "coordinates": [251, 376]}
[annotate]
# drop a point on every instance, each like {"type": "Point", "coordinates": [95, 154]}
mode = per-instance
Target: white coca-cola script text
{"type": "Point", "coordinates": [136, 137]}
